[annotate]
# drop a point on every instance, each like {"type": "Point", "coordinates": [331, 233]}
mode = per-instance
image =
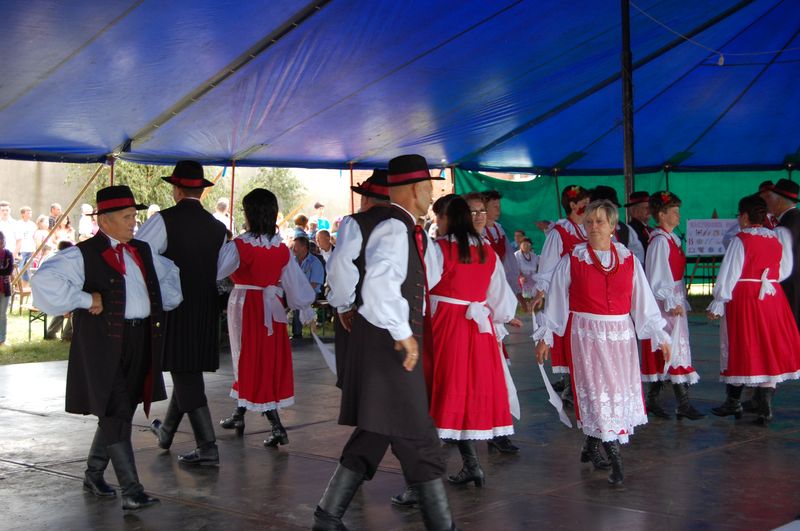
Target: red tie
{"type": "Point", "coordinates": [119, 250]}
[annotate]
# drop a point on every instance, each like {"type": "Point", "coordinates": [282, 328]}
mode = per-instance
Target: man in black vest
{"type": "Point", "coordinates": [191, 237]}
{"type": "Point", "coordinates": [782, 203]}
{"type": "Point", "coordinates": [383, 387]}
{"type": "Point", "coordinates": [116, 293]}
{"type": "Point", "coordinates": [638, 206]}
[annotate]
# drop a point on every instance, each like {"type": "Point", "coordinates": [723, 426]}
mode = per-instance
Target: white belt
{"type": "Point", "coordinates": [601, 317]}
{"type": "Point", "coordinates": [767, 287]}
{"type": "Point", "coordinates": [477, 311]}
{"type": "Point", "coordinates": [273, 307]}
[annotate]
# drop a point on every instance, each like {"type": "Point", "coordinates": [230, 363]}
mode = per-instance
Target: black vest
{"type": "Point", "coordinates": [194, 238]}
{"type": "Point", "coordinates": [791, 286]}
{"type": "Point", "coordinates": [642, 231]}
{"type": "Point", "coordinates": [623, 234]}
{"type": "Point", "coordinates": [96, 349]}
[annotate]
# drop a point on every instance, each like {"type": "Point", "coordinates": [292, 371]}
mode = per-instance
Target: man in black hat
{"type": "Point", "coordinates": [782, 203]}
{"type": "Point", "coordinates": [383, 387]}
{"type": "Point", "coordinates": [116, 291]}
{"type": "Point", "coordinates": [624, 233]}
{"type": "Point", "coordinates": [639, 213]}
{"type": "Point", "coordinates": [190, 236]}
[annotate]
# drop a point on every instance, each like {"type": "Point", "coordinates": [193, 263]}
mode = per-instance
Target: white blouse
{"type": "Point", "coordinates": [509, 262]}
{"type": "Point", "coordinates": [341, 269]}
{"type": "Point", "coordinates": [551, 252]}
{"type": "Point", "coordinates": [659, 273]}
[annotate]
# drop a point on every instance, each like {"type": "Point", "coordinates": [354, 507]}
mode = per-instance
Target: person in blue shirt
{"type": "Point", "coordinates": [314, 271]}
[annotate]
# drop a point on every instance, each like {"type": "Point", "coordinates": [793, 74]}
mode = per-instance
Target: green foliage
{"type": "Point", "coordinates": [20, 350]}
{"type": "Point", "coordinates": [280, 181]}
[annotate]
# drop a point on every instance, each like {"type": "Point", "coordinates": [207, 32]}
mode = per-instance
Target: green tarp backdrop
{"type": "Point", "coordinates": [702, 193]}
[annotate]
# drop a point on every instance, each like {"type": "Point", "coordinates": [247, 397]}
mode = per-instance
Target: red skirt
{"type": "Point", "coordinates": [469, 398]}
{"type": "Point", "coordinates": [761, 336]}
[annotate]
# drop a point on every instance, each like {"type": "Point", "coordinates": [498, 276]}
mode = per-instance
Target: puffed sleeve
{"type": "Point", "coordinates": [386, 266]}
{"type": "Point", "coordinates": [434, 263]}
{"type": "Point", "coordinates": [548, 260]}
{"type": "Point", "coordinates": [228, 260]}
{"type": "Point", "coordinates": [342, 270]}
{"type": "Point", "coordinates": [57, 285]}
{"type": "Point", "coordinates": [299, 293]}
{"type": "Point", "coordinates": [500, 298]}
{"type": "Point", "coordinates": [659, 274]}
{"type": "Point", "coordinates": [154, 232]}
{"type": "Point", "coordinates": [169, 278]}
{"type": "Point", "coordinates": [644, 309]}
{"type": "Point", "coordinates": [553, 318]}
{"type": "Point", "coordinates": [730, 271]}
{"type": "Point", "coordinates": [787, 258]}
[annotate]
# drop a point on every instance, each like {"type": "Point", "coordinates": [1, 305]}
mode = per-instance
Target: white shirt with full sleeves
{"type": "Point", "coordinates": [500, 298]}
{"type": "Point", "coordinates": [154, 232]}
{"type": "Point", "coordinates": [635, 244]}
{"type": "Point", "coordinates": [551, 252]}
{"type": "Point", "coordinates": [342, 271]}
{"type": "Point", "coordinates": [386, 265]}
{"type": "Point", "coordinates": [730, 271]}
{"type": "Point", "coordinates": [509, 261]}
{"type": "Point", "coordinates": [57, 285]}
{"type": "Point", "coordinates": [527, 270]}
{"type": "Point", "coordinates": [667, 290]}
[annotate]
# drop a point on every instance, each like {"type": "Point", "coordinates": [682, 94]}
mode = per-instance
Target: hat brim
{"type": "Point", "coordinates": [169, 179]}
{"type": "Point", "coordinates": [368, 193]}
{"type": "Point", "coordinates": [632, 203]}
{"type": "Point", "coordinates": [412, 181]}
{"type": "Point", "coordinates": [784, 194]}
{"type": "Point", "coordinates": [114, 209]}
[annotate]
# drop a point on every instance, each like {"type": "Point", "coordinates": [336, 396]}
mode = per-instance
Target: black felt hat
{"type": "Point", "coordinates": [375, 186]}
{"type": "Point", "coordinates": [637, 198]}
{"type": "Point", "coordinates": [113, 198]}
{"type": "Point", "coordinates": [409, 169]}
{"type": "Point", "coordinates": [786, 188]}
{"type": "Point", "coordinates": [188, 174]}
{"type": "Point", "coordinates": [604, 192]}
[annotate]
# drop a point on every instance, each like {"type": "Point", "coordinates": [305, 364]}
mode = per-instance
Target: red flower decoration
{"type": "Point", "coordinates": [666, 197]}
{"type": "Point", "coordinates": [573, 192]}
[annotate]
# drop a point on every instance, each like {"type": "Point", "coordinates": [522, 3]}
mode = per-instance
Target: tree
{"type": "Point", "coordinates": [280, 181]}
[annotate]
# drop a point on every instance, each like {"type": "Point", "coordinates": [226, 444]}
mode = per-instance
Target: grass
{"type": "Point", "coordinates": [19, 350]}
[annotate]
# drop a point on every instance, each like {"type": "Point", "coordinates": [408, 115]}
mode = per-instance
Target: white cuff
{"type": "Point", "coordinates": [403, 331]}
{"type": "Point", "coordinates": [85, 300]}
{"type": "Point", "coordinates": [307, 314]}
{"type": "Point", "coordinates": [716, 307]}
{"type": "Point", "coordinates": [543, 334]}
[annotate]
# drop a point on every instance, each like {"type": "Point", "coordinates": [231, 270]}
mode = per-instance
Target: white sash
{"type": "Point", "coordinates": [477, 311]}
{"type": "Point", "coordinates": [767, 285]}
{"type": "Point", "coordinates": [273, 307]}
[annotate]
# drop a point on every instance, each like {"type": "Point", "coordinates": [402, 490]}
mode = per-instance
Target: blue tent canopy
{"type": "Point", "coordinates": [511, 85]}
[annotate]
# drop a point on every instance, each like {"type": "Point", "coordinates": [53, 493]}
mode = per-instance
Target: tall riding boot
{"type": "Point", "coordinates": [732, 404]}
{"type": "Point", "coordinates": [591, 452]}
{"type": "Point", "coordinates": [615, 455]}
{"type": "Point", "coordinates": [653, 407]}
{"type": "Point", "coordinates": [765, 413]}
{"type": "Point", "coordinates": [279, 435]}
{"type": "Point", "coordinates": [340, 491]}
{"type": "Point", "coordinates": [472, 470]}
{"type": "Point", "coordinates": [96, 464]}
{"type": "Point", "coordinates": [685, 409]}
{"type": "Point", "coordinates": [434, 506]}
{"type": "Point", "coordinates": [206, 453]}
{"type": "Point", "coordinates": [165, 431]}
{"type": "Point", "coordinates": [235, 421]}
{"type": "Point", "coordinates": [133, 494]}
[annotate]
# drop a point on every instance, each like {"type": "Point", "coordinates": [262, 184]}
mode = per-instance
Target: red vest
{"type": "Point", "coordinates": [592, 291]}
{"type": "Point", "coordinates": [568, 240]}
{"type": "Point", "coordinates": [760, 253]}
{"type": "Point", "coordinates": [677, 260]}
{"type": "Point", "coordinates": [498, 244]}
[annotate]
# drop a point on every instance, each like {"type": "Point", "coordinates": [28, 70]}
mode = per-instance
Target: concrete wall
{"type": "Point", "coordinates": [37, 185]}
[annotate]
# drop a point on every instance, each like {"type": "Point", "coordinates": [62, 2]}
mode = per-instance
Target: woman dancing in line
{"type": "Point", "coordinates": [759, 341]}
{"type": "Point", "coordinates": [263, 271]}
{"type": "Point", "coordinates": [600, 286]}
{"type": "Point", "coordinates": [664, 266]}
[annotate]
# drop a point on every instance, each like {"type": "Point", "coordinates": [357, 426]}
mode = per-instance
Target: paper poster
{"type": "Point", "coordinates": [704, 237]}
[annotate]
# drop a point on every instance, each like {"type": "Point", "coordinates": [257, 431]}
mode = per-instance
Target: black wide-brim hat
{"type": "Point", "coordinates": [375, 186]}
{"type": "Point", "coordinates": [409, 169]}
{"type": "Point", "coordinates": [637, 198]}
{"type": "Point", "coordinates": [113, 198]}
{"type": "Point", "coordinates": [604, 192]}
{"type": "Point", "coordinates": [786, 188]}
{"type": "Point", "coordinates": [188, 174]}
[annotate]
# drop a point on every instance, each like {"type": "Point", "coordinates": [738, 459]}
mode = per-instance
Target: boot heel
{"type": "Point", "coordinates": [239, 429]}
{"type": "Point", "coordinates": [480, 482]}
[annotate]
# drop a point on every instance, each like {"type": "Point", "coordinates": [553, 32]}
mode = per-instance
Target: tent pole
{"type": "Point", "coordinates": [233, 182]}
{"type": "Point", "coordinates": [789, 168]}
{"type": "Point", "coordinates": [111, 177]}
{"type": "Point", "coordinates": [352, 201]}
{"type": "Point", "coordinates": [627, 97]}
{"type": "Point", "coordinates": [667, 167]}
{"type": "Point", "coordinates": [63, 215]}
{"type": "Point", "coordinates": [453, 178]}
{"type": "Point", "coordinates": [558, 192]}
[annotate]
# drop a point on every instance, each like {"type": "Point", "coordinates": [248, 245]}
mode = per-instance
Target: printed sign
{"type": "Point", "coordinates": [705, 237]}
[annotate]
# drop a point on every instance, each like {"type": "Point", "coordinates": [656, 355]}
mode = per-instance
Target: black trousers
{"type": "Point", "coordinates": [420, 459]}
{"type": "Point", "coordinates": [129, 381]}
{"type": "Point", "coordinates": [189, 390]}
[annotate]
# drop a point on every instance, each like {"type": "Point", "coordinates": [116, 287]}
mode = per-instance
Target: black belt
{"type": "Point", "coordinates": [133, 323]}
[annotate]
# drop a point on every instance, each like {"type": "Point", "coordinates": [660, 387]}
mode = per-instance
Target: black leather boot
{"type": "Point", "coordinates": [408, 498]}
{"type": "Point", "coordinates": [434, 506]}
{"type": "Point", "coordinates": [235, 421]}
{"type": "Point", "coordinates": [753, 404]}
{"type": "Point", "coordinates": [685, 409]}
{"type": "Point", "coordinates": [471, 470]}
{"type": "Point", "coordinates": [559, 385]}
{"type": "Point", "coordinates": [614, 453]}
{"type": "Point", "coordinates": [165, 431]}
{"type": "Point", "coordinates": [279, 435]}
{"type": "Point", "coordinates": [96, 464]}
{"type": "Point", "coordinates": [653, 407]}
{"type": "Point", "coordinates": [591, 452]}
{"type": "Point", "coordinates": [765, 412]}
{"type": "Point", "coordinates": [340, 491]}
{"type": "Point", "coordinates": [133, 494]}
{"type": "Point", "coordinates": [566, 394]}
{"type": "Point", "coordinates": [732, 404]}
{"type": "Point", "coordinates": [502, 443]}
{"type": "Point", "coordinates": [206, 453]}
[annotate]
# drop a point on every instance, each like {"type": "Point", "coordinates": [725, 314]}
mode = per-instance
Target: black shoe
{"type": "Point", "coordinates": [566, 394]}
{"type": "Point", "coordinates": [235, 421]}
{"type": "Point", "coordinates": [138, 501]}
{"type": "Point", "coordinates": [165, 431]}
{"type": "Point", "coordinates": [503, 444]}
{"type": "Point", "coordinates": [279, 435]}
{"type": "Point", "coordinates": [98, 486]}
{"type": "Point", "coordinates": [337, 497]}
{"type": "Point", "coordinates": [208, 456]}
{"type": "Point", "coordinates": [409, 498]}
{"type": "Point", "coordinates": [731, 406]}
{"type": "Point", "coordinates": [615, 456]}
{"type": "Point", "coordinates": [206, 453]}
{"type": "Point", "coordinates": [685, 409]}
{"type": "Point", "coordinates": [559, 385]}
{"type": "Point", "coordinates": [653, 407]}
{"type": "Point", "coordinates": [591, 452]}
{"type": "Point", "coordinates": [471, 471]}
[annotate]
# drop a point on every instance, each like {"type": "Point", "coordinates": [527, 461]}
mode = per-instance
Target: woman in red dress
{"type": "Point", "coordinates": [759, 340]}
{"type": "Point", "coordinates": [264, 273]}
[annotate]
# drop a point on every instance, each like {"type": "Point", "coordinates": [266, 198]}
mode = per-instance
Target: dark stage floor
{"type": "Point", "coordinates": [708, 474]}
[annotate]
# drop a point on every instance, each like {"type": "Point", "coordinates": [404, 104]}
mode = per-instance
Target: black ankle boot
{"type": "Point", "coordinates": [765, 411]}
{"type": "Point", "coordinates": [685, 409]}
{"type": "Point", "coordinates": [96, 464]}
{"type": "Point", "coordinates": [408, 498]}
{"type": "Point", "coordinates": [615, 455]}
{"type": "Point", "coordinates": [133, 494]}
{"type": "Point", "coordinates": [206, 453]}
{"type": "Point", "coordinates": [235, 421]}
{"type": "Point", "coordinates": [753, 405]}
{"type": "Point", "coordinates": [434, 506]}
{"type": "Point", "coordinates": [279, 435]}
{"type": "Point", "coordinates": [559, 385]}
{"type": "Point", "coordinates": [502, 443]}
{"type": "Point", "coordinates": [340, 491]}
{"type": "Point", "coordinates": [732, 405]}
{"type": "Point", "coordinates": [165, 431]}
{"type": "Point", "coordinates": [653, 407]}
{"type": "Point", "coordinates": [591, 452]}
{"type": "Point", "coordinates": [471, 470]}
{"type": "Point", "coordinates": [566, 394]}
